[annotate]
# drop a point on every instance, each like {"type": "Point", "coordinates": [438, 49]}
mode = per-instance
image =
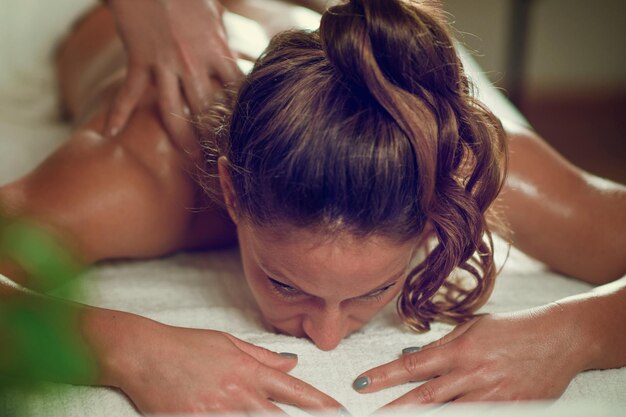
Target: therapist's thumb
{"type": "Point", "coordinates": [283, 361]}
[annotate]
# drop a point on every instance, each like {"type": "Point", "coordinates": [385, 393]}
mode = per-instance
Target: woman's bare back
{"type": "Point", "coordinates": [131, 196]}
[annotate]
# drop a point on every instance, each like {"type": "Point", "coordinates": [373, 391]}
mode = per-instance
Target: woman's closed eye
{"type": "Point", "coordinates": [284, 290]}
{"type": "Point", "coordinates": [287, 291]}
{"type": "Point", "coordinates": [378, 294]}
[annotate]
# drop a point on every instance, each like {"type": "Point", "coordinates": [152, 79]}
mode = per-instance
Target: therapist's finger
{"type": "Point", "coordinates": [198, 91]}
{"type": "Point", "coordinates": [176, 118]}
{"type": "Point", "coordinates": [223, 64]}
{"type": "Point", "coordinates": [261, 406]}
{"type": "Point", "coordinates": [173, 112]}
{"type": "Point", "coordinates": [280, 361]}
{"type": "Point", "coordinates": [456, 332]}
{"type": "Point", "coordinates": [226, 68]}
{"type": "Point", "coordinates": [126, 99]}
{"type": "Point", "coordinates": [476, 395]}
{"type": "Point", "coordinates": [286, 389]}
{"type": "Point", "coordinates": [418, 366]}
{"type": "Point", "coordinates": [439, 390]}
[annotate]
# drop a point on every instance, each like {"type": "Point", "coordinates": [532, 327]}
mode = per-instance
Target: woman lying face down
{"type": "Point", "coordinates": [335, 157]}
{"type": "Point", "coordinates": [345, 153]}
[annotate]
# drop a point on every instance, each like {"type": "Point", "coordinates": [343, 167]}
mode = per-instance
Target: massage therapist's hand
{"type": "Point", "coordinates": [528, 355]}
{"type": "Point", "coordinates": [181, 47]}
{"type": "Point", "coordinates": [181, 370]}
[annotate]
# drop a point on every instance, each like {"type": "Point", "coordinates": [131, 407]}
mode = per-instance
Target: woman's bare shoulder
{"type": "Point", "coordinates": [573, 221]}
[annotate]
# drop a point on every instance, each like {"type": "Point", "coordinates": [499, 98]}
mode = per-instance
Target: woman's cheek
{"type": "Point", "coordinates": [283, 316]}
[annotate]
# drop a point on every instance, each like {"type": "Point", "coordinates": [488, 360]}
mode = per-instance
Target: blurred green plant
{"type": "Point", "coordinates": [40, 338]}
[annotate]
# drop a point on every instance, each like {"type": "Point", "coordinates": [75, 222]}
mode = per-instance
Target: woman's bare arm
{"type": "Point", "coordinates": [569, 219]}
{"type": "Point", "coordinates": [99, 339]}
{"type": "Point", "coordinates": [97, 346]}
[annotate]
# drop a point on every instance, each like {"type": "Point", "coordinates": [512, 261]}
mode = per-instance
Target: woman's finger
{"type": "Point", "coordinates": [126, 99]}
{"type": "Point", "coordinates": [438, 390]}
{"type": "Point", "coordinates": [286, 389]}
{"type": "Point", "coordinates": [418, 366]}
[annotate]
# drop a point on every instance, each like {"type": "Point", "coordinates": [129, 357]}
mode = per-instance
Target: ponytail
{"type": "Point", "coordinates": [403, 55]}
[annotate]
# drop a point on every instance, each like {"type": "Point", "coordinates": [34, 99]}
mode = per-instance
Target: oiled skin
{"type": "Point", "coordinates": [134, 196]}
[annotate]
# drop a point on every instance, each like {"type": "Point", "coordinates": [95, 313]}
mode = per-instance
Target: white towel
{"type": "Point", "coordinates": [206, 290]}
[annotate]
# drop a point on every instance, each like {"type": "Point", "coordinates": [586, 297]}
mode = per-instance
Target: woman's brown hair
{"type": "Point", "coordinates": [367, 126]}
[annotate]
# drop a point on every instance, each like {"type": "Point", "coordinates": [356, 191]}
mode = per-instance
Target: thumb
{"type": "Point", "coordinates": [283, 361]}
{"type": "Point", "coordinates": [455, 333]}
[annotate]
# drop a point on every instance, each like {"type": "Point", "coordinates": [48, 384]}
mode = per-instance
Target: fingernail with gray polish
{"type": "Point", "coordinates": [411, 349]}
{"type": "Point", "coordinates": [288, 355]}
{"type": "Point", "coordinates": [344, 413]}
{"type": "Point", "coordinates": [360, 383]}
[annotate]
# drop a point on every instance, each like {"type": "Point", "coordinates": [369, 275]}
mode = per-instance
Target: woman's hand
{"type": "Point", "coordinates": [181, 370]}
{"type": "Point", "coordinates": [180, 46]}
{"type": "Point", "coordinates": [528, 355]}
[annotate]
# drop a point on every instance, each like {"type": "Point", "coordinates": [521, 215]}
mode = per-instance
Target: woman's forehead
{"type": "Point", "coordinates": [307, 259]}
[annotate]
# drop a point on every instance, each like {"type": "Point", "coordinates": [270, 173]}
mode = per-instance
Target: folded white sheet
{"type": "Point", "coordinates": [207, 290]}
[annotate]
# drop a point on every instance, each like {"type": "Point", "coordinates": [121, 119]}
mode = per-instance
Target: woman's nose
{"type": "Point", "coordinates": [326, 327]}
